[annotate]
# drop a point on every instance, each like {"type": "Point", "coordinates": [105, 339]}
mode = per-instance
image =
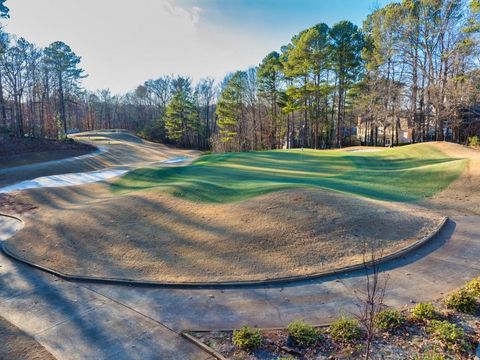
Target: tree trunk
{"type": "Point", "coordinates": [61, 99]}
{"type": "Point", "coordinates": [3, 113]}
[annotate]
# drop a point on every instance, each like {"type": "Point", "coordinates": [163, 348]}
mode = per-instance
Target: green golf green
{"type": "Point", "coordinates": [402, 174]}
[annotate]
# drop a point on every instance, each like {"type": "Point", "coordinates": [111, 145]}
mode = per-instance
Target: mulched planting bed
{"type": "Point", "coordinates": [410, 341]}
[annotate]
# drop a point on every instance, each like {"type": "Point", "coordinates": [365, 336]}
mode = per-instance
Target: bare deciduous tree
{"type": "Point", "coordinates": [371, 299]}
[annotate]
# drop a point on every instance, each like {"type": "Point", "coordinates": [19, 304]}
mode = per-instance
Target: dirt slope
{"type": "Point", "coordinates": [463, 195]}
{"type": "Point", "coordinates": [153, 236]}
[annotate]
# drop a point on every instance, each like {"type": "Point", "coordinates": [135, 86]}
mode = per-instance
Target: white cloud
{"type": "Point", "coordinates": [191, 14]}
{"type": "Point", "coordinates": [123, 43]}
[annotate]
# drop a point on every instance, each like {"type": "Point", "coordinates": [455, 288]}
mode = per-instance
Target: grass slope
{"type": "Point", "coordinates": [401, 174]}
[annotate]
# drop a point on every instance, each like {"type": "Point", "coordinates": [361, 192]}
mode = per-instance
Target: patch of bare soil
{"type": "Point", "coordinates": [359, 148]}
{"type": "Point", "coordinates": [462, 197]}
{"type": "Point", "coordinates": [11, 206]}
{"type": "Point", "coordinates": [153, 236]}
{"type": "Point", "coordinates": [18, 345]}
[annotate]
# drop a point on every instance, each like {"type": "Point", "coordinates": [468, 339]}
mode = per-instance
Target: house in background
{"type": "Point", "coordinates": [370, 132]}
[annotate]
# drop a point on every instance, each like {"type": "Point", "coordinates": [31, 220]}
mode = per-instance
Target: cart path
{"type": "Point", "coordinates": [75, 322]}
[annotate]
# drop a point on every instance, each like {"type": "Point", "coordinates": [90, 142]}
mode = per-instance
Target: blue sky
{"type": "Point", "coordinates": [285, 16]}
{"type": "Point", "coordinates": [124, 42]}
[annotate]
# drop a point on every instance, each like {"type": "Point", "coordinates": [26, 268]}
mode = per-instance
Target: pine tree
{"type": "Point", "coordinates": [64, 64]}
{"type": "Point", "coordinates": [181, 115]}
{"type": "Point", "coordinates": [231, 107]}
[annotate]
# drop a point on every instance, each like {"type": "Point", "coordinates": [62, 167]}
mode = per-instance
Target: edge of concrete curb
{"type": "Point", "coordinates": [13, 217]}
{"type": "Point", "coordinates": [203, 346]}
{"type": "Point", "coordinates": [218, 356]}
{"type": "Point", "coordinates": [121, 281]}
{"type": "Point", "coordinates": [213, 352]}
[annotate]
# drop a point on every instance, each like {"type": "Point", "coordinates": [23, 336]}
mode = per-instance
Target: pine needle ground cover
{"type": "Point", "coordinates": [401, 174]}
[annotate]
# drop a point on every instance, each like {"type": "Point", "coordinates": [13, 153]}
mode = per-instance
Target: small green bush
{"type": "Point", "coordinates": [302, 333]}
{"type": "Point", "coordinates": [346, 330]}
{"type": "Point", "coordinates": [451, 335]}
{"type": "Point", "coordinates": [247, 338]}
{"type": "Point", "coordinates": [473, 287]}
{"type": "Point", "coordinates": [462, 300]}
{"type": "Point", "coordinates": [432, 356]}
{"type": "Point", "coordinates": [389, 319]}
{"type": "Point", "coordinates": [424, 312]}
{"type": "Point", "coordinates": [473, 141]}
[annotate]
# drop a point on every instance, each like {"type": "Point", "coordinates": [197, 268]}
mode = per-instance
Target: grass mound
{"type": "Point", "coordinates": [151, 235]}
{"type": "Point", "coordinates": [401, 174]}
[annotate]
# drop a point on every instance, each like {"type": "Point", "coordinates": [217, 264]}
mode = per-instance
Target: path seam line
{"type": "Point", "coordinates": [179, 334]}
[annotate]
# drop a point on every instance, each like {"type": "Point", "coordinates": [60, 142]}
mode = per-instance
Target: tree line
{"type": "Point", "coordinates": [416, 60]}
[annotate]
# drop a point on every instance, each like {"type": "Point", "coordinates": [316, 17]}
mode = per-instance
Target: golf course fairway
{"type": "Point", "coordinates": [401, 174]}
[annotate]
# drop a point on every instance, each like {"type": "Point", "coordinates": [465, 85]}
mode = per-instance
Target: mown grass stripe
{"type": "Point", "coordinates": [401, 174]}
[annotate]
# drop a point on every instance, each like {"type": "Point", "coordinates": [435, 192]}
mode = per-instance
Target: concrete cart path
{"type": "Point", "coordinates": [74, 322]}
{"type": "Point", "coordinates": [441, 266]}
{"type": "Point", "coordinates": [85, 320]}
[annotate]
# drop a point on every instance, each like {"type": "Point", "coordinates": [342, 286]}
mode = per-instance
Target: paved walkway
{"type": "Point", "coordinates": [440, 267]}
{"type": "Point", "coordinates": [86, 321]}
{"type": "Point", "coordinates": [75, 322]}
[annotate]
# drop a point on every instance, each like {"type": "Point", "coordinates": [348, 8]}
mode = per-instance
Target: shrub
{"type": "Point", "coordinates": [302, 333]}
{"type": "Point", "coordinates": [424, 312]}
{"type": "Point", "coordinates": [389, 319]}
{"type": "Point", "coordinates": [473, 287]}
{"type": "Point", "coordinates": [346, 330]}
{"type": "Point", "coordinates": [462, 300]}
{"type": "Point", "coordinates": [432, 356]}
{"type": "Point", "coordinates": [247, 338]}
{"type": "Point", "coordinates": [451, 335]}
{"type": "Point", "coordinates": [473, 141]}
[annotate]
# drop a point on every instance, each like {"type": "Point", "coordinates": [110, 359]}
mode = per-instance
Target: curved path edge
{"type": "Point", "coordinates": [289, 279]}
{"type": "Point", "coordinates": [13, 217]}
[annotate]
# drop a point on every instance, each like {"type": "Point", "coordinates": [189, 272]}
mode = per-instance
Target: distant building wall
{"type": "Point", "coordinates": [369, 132]}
